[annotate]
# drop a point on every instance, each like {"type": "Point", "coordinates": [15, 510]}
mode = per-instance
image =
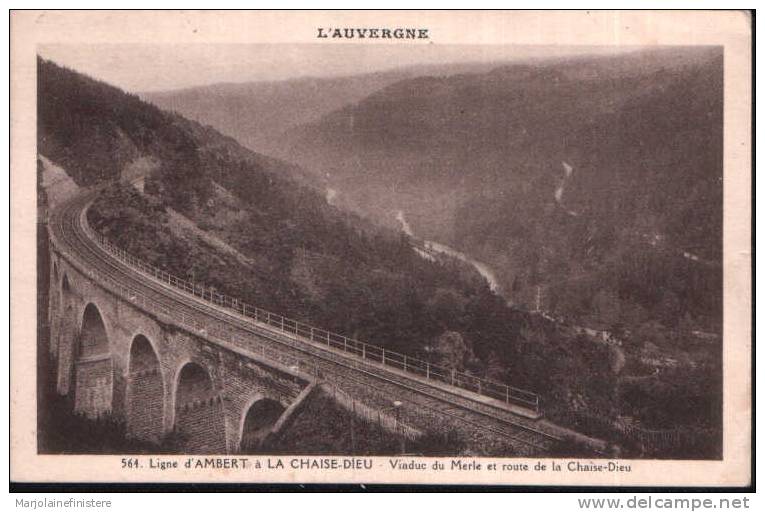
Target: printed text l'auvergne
{"type": "Point", "coordinates": [372, 33]}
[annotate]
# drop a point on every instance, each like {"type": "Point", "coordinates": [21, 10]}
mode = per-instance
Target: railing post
{"type": "Point", "coordinates": [345, 344]}
{"type": "Point", "coordinates": [427, 370]}
{"type": "Point", "coordinates": [363, 351]}
{"type": "Point", "coordinates": [507, 394]}
{"type": "Point", "coordinates": [311, 333]}
{"type": "Point", "coordinates": [404, 362]}
{"type": "Point", "coordinates": [383, 356]}
{"type": "Point", "coordinates": [282, 323]}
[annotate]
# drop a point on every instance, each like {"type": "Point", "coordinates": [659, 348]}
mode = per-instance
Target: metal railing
{"type": "Point", "coordinates": [308, 333]}
{"type": "Point", "coordinates": [219, 332]}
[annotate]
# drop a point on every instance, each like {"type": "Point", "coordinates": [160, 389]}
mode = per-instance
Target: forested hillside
{"type": "Point", "coordinates": [597, 179]}
{"type": "Point", "coordinates": [258, 113]}
{"type": "Point", "coordinates": [292, 252]}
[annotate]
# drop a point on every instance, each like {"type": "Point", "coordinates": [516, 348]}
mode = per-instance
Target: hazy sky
{"type": "Point", "coordinates": [139, 67]}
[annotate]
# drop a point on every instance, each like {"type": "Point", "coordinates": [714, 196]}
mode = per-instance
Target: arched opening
{"type": "Point", "coordinates": [92, 366]}
{"type": "Point", "coordinates": [56, 316]}
{"type": "Point", "coordinates": [63, 343]}
{"type": "Point", "coordinates": [145, 392]}
{"type": "Point", "coordinates": [53, 290]}
{"type": "Point", "coordinates": [258, 421]}
{"type": "Point", "coordinates": [66, 289]}
{"type": "Point", "coordinates": [93, 340]}
{"type": "Point", "coordinates": [199, 423]}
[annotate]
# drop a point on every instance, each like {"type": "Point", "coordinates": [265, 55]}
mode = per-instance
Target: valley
{"type": "Point", "coordinates": [553, 225]}
{"type": "Point", "coordinates": [427, 249]}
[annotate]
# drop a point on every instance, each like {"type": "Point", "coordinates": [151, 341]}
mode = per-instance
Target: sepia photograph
{"type": "Point", "coordinates": [372, 243]}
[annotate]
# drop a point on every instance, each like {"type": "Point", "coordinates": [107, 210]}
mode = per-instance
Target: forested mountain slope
{"type": "Point", "coordinates": [598, 179]}
{"type": "Point", "coordinates": [257, 113]}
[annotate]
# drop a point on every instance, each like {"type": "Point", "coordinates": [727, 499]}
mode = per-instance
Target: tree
{"type": "Point", "coordinates": [452, 351]}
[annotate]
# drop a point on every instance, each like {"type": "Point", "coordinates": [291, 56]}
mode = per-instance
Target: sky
{"type": "Point", "coordinates": [143, 67]}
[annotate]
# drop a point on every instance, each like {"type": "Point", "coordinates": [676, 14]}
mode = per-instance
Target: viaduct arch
{"type": "Point", "coordinates": [258, 419]}
{"type": "Point", "coordinates": [92, 368]}
{"type": "Point", "coordinates": [199, 422]}
{"type": "Point", "coordinates": [145, 392]}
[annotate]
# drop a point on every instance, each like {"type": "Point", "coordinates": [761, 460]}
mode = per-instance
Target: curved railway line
{"type": "Point", "coordinates": [432, 400]}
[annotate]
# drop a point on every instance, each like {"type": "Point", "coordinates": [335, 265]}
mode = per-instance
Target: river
{"type": "Point", "coordinates": [567, 171]}
{"type": "Point", "coordinates": [486, 272]}
{"type": "Point", "coordinates": [331, 195]}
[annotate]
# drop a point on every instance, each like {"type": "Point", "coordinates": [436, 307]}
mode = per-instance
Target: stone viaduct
{"type": "Point", "coordinates": [113, 358]}
{"type": "Point", "coordinates": [176, 361]}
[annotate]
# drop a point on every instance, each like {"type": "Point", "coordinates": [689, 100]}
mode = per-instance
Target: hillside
{"type": "Point", "coordinates": [274, 242]}
{"type": "Point", "coordinates": [258, 113]}
{"type": "Point", "coordinates": [563, 175]}
{"type": "Point", "coordinates": [309, 259]}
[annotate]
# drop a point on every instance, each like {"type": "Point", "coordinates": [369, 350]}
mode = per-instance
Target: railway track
{"type": "Point", "coordinates": [419, 399]}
